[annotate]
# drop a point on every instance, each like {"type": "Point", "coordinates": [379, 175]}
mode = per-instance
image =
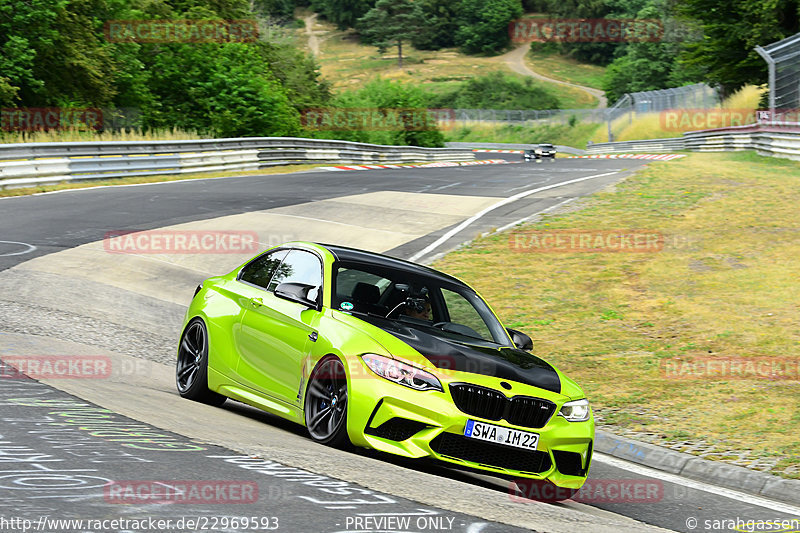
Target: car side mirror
{"type": "Point", "coordinates": [297, 292]}
{"type": "Point", "coordinates": [521, 341]}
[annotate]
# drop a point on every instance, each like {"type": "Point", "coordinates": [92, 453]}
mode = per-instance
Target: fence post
{"type": "Point", "coordinates": [771, 65]}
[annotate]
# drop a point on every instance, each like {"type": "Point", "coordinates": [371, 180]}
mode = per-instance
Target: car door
{"type": "Point", "coordinates": [275, 334]}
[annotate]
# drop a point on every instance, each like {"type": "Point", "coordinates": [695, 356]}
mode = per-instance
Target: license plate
{"type": "Point", "coordinates": [501, 435]}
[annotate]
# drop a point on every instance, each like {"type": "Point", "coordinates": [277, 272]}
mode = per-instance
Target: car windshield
{"type": "Point", "coordinates": [436, 306]}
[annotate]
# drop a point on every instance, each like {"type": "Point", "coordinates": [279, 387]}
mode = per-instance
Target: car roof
{"type": "Point", "coordinates": [354, 255]}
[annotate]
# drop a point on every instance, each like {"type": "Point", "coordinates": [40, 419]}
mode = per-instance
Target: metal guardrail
{"type": "Point", "coordinates": [766, 139]}
{"type": "Point", "coordinates": [29, 164]}
{"type": "Point", "coordinates": [512, 146]}
{"type": "Point", "coordinates": [650, 145]}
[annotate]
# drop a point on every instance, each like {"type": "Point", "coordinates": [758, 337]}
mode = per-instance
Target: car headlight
{"type": "Point", "coordinates": [576, 410]}
{"type": "Point", "coordinates": [401, 373]}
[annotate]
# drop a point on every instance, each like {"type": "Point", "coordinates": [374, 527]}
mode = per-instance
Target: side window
{"type": "Point", "coordinates": [350, 284]}
{"type": "Point", "coordinates": [463, 313]}
{"type": "Point", "coordinates": [260, 271]}
{"type": "Point", "coordinates": [298, 267]}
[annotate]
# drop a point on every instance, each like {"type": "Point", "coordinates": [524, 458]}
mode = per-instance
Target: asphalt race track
{"type": "Point", "coordinates": [62, 441]}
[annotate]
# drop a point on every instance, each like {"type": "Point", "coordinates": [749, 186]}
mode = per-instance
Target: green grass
{"type": "Point", "coordinates": [559, 67]}
{"type": "Point", "coordinates": [570, 97]}
{"type": "Point", "coordinates": [575, 136]}
{"type": "Point", "coordinates": [724, 286]}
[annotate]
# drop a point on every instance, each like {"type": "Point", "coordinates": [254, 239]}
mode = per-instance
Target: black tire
{"type": "Point", "coordinates": [326, 403]}
{"type": "Point", "coordinates": [191, 369]}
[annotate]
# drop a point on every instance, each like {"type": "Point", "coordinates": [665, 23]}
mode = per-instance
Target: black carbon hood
{"type": "Point", "coordinates": [502, 362]}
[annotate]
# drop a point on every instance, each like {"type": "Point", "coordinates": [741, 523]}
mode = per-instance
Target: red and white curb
{"type": "Point", "coordinates": [659, 157]}
{"type": "Point", "coordinates": [500, 151]}
{"type": "Point", "coordinates": [435, 164]}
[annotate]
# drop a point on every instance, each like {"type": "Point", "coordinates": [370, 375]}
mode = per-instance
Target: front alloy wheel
{"type": "Point", "coordinates": [191, 369]}
{"type": "Point", "coordinates": [326, 402]}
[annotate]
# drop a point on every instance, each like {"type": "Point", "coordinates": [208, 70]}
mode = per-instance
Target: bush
{"type": "Point", "coordinates": [498, 91]}
{"type": "Point", "coordinates": [384, 94]}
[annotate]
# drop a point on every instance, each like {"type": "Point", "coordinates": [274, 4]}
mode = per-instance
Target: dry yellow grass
{"type": "Point", "coordinates": [737, 109]}
{"type": "Point", "coordinates": [725, 286]}
{"type": "Point", "coordinates": [86, 136]}
{"type": "Point", "coordinates": [747, 97]}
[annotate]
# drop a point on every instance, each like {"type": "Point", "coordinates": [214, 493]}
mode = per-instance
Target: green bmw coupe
{"type": "Point", "coordinates": [385, 354]}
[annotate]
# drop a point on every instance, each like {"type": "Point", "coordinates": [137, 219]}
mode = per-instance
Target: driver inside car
{"type": "Point", "coordinates": [421, 311]}
{"type": "Point", "coordinates": [420, 307]}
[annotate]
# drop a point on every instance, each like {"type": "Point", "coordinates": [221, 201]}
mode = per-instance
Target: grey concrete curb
{"type": "Point", "coordinates": [697, 468]}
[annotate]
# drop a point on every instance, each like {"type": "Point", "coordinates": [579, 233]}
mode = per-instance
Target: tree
{"type": "Point", "coordinates": [343, 13]}
{"type": "Point", "coordinates": [52, 53]}
{"type": "Point", "coordinates": [222, 89]}
{"type": "Point", "coordinates": [8, 93]}
{"type": "Point", "coordinates": [390, 23]}
{"type": "Point", "coordinates": [647, 66]}
{"type": "Point", "coordinates": [731, 32]}
{"type": "Point", "coordinates": [279, 10]}
{"type": "Point", "coordinates": [600, 53]}
{"type": "Point", "coordinates": [484, 25]}
{"type": "Point", "coordinates": [440, 23]}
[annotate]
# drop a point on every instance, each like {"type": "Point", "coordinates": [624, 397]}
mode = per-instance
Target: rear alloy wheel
{"type": "Point", "coordinates": [191, 369]}
{"type": "Point", "coordinates": [326, 403]}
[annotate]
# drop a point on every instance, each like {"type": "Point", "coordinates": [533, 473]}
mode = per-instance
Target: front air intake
{"type": "Point", "coordinates": [489, 404]}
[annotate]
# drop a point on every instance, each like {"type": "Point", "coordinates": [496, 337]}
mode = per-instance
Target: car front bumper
{"type": "Point", "coordinates": [395, 419]}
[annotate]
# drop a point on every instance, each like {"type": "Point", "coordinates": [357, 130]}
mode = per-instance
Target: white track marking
{"type": "Point", "coordinates": [759, 501]}
{"type": "Point", "coordinates": [418, 512]}
{"type": "Point", "coordinates": [29, 248]}
{"type": "Point", "coordinates": [444, 238]}
{"type": "Point", "coordinates": [448, 185]}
